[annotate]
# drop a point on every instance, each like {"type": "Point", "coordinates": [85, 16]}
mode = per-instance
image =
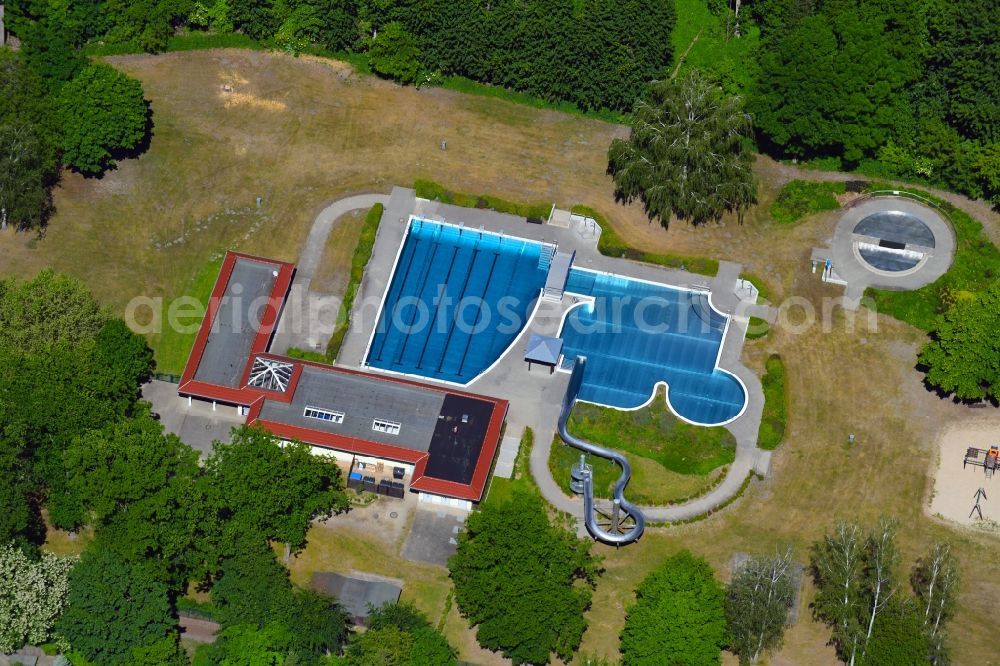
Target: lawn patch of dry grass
{"type": "Point", "coordinates": [150, 226]}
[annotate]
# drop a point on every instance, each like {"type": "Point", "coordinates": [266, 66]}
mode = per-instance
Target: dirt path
{"type": "Point", "coordinates": [198, 630]}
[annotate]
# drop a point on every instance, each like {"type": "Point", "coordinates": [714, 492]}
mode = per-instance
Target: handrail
{"type": "Point", "coordinates": [590, 517]}
{"type": "Point", "coordinates": [903, 194]}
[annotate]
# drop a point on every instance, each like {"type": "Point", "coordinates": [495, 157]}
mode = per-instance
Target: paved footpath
{"type": "Point", "coordinates": [536, 403]}
{"type": "Point", "coordinates": [312, 323]}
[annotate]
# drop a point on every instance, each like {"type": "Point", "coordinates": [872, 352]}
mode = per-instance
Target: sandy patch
{"type": "Point", "coordinates": [955, 487]}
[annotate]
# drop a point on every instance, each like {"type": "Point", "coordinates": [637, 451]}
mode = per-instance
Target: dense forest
{"type": "Point", "coordinates": [894, 89]}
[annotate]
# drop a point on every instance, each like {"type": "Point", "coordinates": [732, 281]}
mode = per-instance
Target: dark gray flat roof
{"type": "Point", "coordinates": [236, 321]}
{"type": "Point", "coordinates": [355, 594]}
{"type": "Point", "coordinates": [361, 399]}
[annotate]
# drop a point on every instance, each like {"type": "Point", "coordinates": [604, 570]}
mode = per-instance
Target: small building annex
{"type": "Point", "coordinates": [390, 435]}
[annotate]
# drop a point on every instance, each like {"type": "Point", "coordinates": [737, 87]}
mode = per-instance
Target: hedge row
{"type": "Point", "coordinates": [362, 254]}
{"type": "Point", "coordinates": [774, 418]}
{"type": "Point", "coordinates": [428, 189]}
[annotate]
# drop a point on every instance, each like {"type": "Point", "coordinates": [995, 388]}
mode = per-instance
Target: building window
{"type": "Point", "coordinates": [388, 427]}
{"type": "Point", "coordinates": [323, 415]}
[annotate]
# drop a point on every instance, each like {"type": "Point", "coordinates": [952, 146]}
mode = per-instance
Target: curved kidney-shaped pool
{"type": "Point", "coordinates": [637, 335]}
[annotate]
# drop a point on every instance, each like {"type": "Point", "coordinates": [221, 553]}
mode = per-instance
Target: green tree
{"type": "Point", "coordinates": [838, 563]}
{"type": "Point", "coordinates": [394, 53]}
{"type": "Point", "coordinates": [126, 463]}
{"type": "Point", "coordinates": [32, 596]}
{"type": "Point", "coordinates": [961, 358]}
{"type": "Point", "coordinates": [757, 602]}
{"type": "Point", "coordinates": [51, 308]}
{"type": "Point", "coordinates": [254, 591]}
{"type": "Point", "coordinates": [248, 645]}
{"type": "Point", "coordinates": [898, 639]}
{"type": "Point", "coordinates": [389, 646]}
{"type": "Point", "coordinates": [834, 81]}
{"type": "Point", "coordinates": [523, 582]}
{"type": "Point", "coordinates": [24, 192]}
{"type": "Point", "coordinates": [272, 490]}
{"type": "Point", "coordinates": [139, 486]}
{"type": "Point", "coordinates": [399, 635]}
{"type": "Point", "coordinates": [118, 613]}
{"type": "Point", "coordinates": [688, 153]}
{"type": "Point", "coordinates": [678, 616]}
{"type": "Point", "coordinates": [103, 114]}
{"type": "Point", "coordinates": [935, 581]}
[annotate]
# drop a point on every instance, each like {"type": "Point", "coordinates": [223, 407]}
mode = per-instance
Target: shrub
{"type": "Point", "coordinates": [800, 198]}
{"type": "Point", "coordinates": [772, 422]}
{"type": "Point", "coordinates": [757, 328]}
{"type": "Point", "coordinates": [428, 189]}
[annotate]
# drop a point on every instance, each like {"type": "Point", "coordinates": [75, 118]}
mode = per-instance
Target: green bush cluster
{"type": "Point", "coordinates": [428, 189]}
{"type": "Point", "coordinates": [757, 328]}
{"type": "Point", "coordinates": [366, 241]}
{"type": "Point", "coordinates": [800, 198]}
{"type": "Point", "coordinates": [774, 418]}
{"type": "Point", "coordinates": [611, 244]}
{"type": "Point", "coordinates": [976, 266]}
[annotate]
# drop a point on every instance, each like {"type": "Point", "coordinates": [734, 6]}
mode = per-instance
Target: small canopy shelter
{"type": "Point", "coordinates": [544, 350]}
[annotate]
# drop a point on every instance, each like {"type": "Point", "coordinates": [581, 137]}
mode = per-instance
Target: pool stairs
{"type": "Point", "coordinates": [618, 533]}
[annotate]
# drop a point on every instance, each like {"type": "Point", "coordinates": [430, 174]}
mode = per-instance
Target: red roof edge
{"type": "Point", "coordinates": [269, 319]}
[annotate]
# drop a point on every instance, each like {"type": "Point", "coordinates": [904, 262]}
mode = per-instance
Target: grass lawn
{"type": "Point", "coordinates": [344, 548]}
{"type": "Point", "coordinates": [302, 132]}
{"type": "Point", "coordinates": [653, 432]}
{"type": "Point", "coordinates": [173, 346]}
{"type": "Point", "coordinates": [501, 489]}
{"type": "Point", "coordinates": [651, 483]}
{"type": "Point", "coordinates": [976, 265]}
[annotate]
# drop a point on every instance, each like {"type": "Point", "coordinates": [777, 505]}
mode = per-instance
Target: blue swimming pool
{"type": "Point", "coordinates": [456, 301]}
{"type": "Point", "coordinates": [636, 334]}
{"type": "Point", "coordinates": [459, 297]}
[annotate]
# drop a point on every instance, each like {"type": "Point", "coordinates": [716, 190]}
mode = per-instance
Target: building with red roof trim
{"type": "Point", "coordinates": [393, 432]}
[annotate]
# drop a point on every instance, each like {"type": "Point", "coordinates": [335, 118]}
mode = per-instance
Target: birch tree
{"type": "Point", "coordinates": [838, 568]}
{"type": "Point", "coordinates": [757, 602]}
{"type": "Point", "coordinates": [881, 559]}
{"type": "Point", "coordinates": [688, 153]}
{"type": "Point", "coordinates": [935, 581]}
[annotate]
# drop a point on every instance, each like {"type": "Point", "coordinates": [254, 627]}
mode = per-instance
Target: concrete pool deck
{"type": "Point", "coordinates": [535, 397]}
{"type": "Point", "coordinates": [857, 275]}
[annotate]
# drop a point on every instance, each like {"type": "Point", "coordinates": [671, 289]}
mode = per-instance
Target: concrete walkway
{"type": "Point", "coordinates": [535, 397]}
{"type": "Point", "coordinates": [310, 316]}
{"type": "Point", "coordinates": [857, 275]}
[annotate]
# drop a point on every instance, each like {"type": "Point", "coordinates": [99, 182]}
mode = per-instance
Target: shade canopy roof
{"type": "Point", "coordinates": [543, 349]}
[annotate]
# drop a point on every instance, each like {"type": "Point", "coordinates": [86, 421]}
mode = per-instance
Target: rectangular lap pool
{"type": "Point", "coordinates": [456, 301]}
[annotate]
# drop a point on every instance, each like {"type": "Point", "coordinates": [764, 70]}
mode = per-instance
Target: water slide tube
{"type": "Point", "coordinates": [615, 538]}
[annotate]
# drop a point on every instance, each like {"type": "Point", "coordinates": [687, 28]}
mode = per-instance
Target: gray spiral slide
{"type": "Point", "coordinates": [616, 536]}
